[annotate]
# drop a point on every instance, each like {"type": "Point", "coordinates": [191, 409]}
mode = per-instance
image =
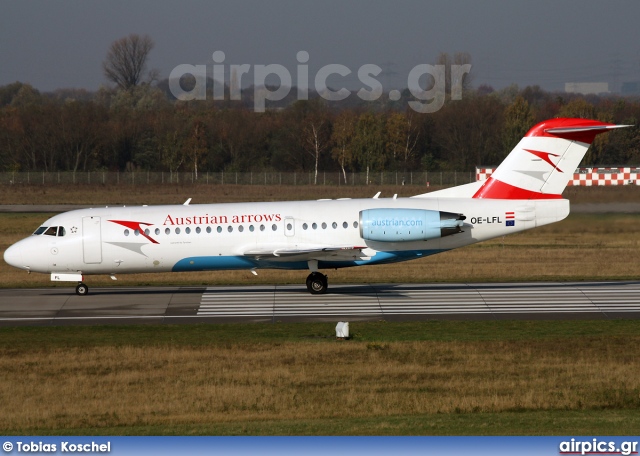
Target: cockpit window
{"type": "Point", "coordinates": [50, 231]}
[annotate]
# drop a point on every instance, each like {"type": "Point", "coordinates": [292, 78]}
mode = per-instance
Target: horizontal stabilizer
{"type": "Point", "coordinates": [582, 133]}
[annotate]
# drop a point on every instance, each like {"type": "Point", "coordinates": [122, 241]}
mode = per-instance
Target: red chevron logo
{"type": "Point", "coordinates": [545, 156]}
{"type": "Point", "coordinates": [136, 227]}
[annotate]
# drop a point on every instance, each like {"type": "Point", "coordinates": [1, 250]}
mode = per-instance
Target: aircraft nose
{"type": "Point", "coordinates": [13, 256]}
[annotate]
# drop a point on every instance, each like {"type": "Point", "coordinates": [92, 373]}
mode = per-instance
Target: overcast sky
{"type": "Point", "coordinates": [61, 44]}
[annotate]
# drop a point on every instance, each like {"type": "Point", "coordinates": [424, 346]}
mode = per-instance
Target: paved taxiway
{"type": "Point", "coordinates": [60, 306]}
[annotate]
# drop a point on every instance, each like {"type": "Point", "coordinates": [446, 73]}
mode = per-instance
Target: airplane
{"type": "Point", "coordinates": [524, 192]}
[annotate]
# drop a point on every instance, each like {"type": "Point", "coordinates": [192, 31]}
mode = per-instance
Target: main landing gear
{"type": "Point", "coordinates": [82, 289]}
{"type": "Point", "coordinates": [317, 283]}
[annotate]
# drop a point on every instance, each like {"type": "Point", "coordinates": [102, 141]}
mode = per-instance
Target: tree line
{"type": "Point", "coordinates": [143, 128]}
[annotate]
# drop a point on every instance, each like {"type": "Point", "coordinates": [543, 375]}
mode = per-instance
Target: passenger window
{"type": "Point", "coordinates": [167, 231]}
{"type": "Point", "coordinates": [208, 229]}
{"type": "Point", "coordinates": [230, 229]}
{"type": "Point", "coordinates": [219, 229]}
{"type": "Point", "coordinates": [177, 230]}
{"type": "Point", "coordinates": [274, 227]}
{"type": "Point", "coordinates": [314, 226]}
{"type": "Point", "coordinates": [146, 231]}
{"type": "Point", "coordinates": [157, 231]}
{"type": "Point", "coordinates": [187, 230]}
{"type": "Point", "coordinates": [305, 226]}
{"type": "Point", "coordinates": [355, 224]}
{"type": "Point", "coordinates": [324, 226]}
{"type": "Point", "coordinates": [261, 227]}
{"type": "Point", "coordinates": [251, 228]}
{"type": "Point", "coordinates": [241, 228]}
{"type": "Point", "coordinates": [334, 225]}
{"type": "Point", "coordinates": [198, 230]}
{"type": "Point", "coordinates": [126, 232]}
{"type": "Point", "coordinates": [345, 225]}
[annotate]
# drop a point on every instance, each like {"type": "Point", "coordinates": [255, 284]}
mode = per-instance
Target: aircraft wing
{"type": "Point", "coordinates": [333, 253]}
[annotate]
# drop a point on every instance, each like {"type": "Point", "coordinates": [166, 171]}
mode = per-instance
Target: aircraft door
{"type": "Point", "coordinates": [91, 240]}
{"type": "Point", "coordinates": [289, 226]}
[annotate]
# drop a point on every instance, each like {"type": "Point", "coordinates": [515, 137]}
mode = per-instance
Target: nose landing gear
{"type": "Point", "coordinates": [82, 289]}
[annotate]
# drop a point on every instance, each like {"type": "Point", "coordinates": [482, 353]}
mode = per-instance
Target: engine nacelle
{"type": "Point", "coordinates": [403, 225]}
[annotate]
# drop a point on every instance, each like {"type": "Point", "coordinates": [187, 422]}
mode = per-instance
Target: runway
{"type": "Point", "coordinates": [292, 303]}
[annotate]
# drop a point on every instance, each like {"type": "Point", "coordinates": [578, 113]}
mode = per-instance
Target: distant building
{"type": "Point", "coordinates": [586, 88]}
{"type": "Point", "coordinates": [630, 88]}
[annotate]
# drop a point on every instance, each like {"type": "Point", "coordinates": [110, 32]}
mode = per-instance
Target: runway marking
{"type": "Point", "coordinates": [388, 300]}
{"type": "Point", "coordinates": [289, 301]}
{"type": "Point", "coordinates": [365, 302]}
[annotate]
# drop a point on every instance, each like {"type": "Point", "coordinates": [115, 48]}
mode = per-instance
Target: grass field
{"type": "Point", "coordinates": [176, 194]}
{"type": "Point", "coordinates": [553, 377]}
{"type": "Point", "coordinates": [429, 378]}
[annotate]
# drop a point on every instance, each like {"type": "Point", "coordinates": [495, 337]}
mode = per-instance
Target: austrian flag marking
{"type": "Point", "coordinates": [510, 218]}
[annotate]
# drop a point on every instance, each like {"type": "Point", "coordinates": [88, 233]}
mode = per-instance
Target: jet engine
{"type": "Point", "coordinates": [404, 225]}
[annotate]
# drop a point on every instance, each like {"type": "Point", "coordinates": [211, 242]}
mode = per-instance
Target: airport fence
{"type": "Point", "coordinates": [46, 178]}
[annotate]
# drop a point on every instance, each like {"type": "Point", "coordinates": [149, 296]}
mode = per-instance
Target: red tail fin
{"type": "Point", "coordinates": [542, 163]}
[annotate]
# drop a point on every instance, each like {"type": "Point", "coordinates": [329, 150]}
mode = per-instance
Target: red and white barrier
{"type": "Point", "coordinates": [589, 177]}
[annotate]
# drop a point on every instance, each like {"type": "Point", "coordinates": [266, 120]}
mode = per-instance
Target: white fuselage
{"type": "Point", "coordinates": [116, 240]}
